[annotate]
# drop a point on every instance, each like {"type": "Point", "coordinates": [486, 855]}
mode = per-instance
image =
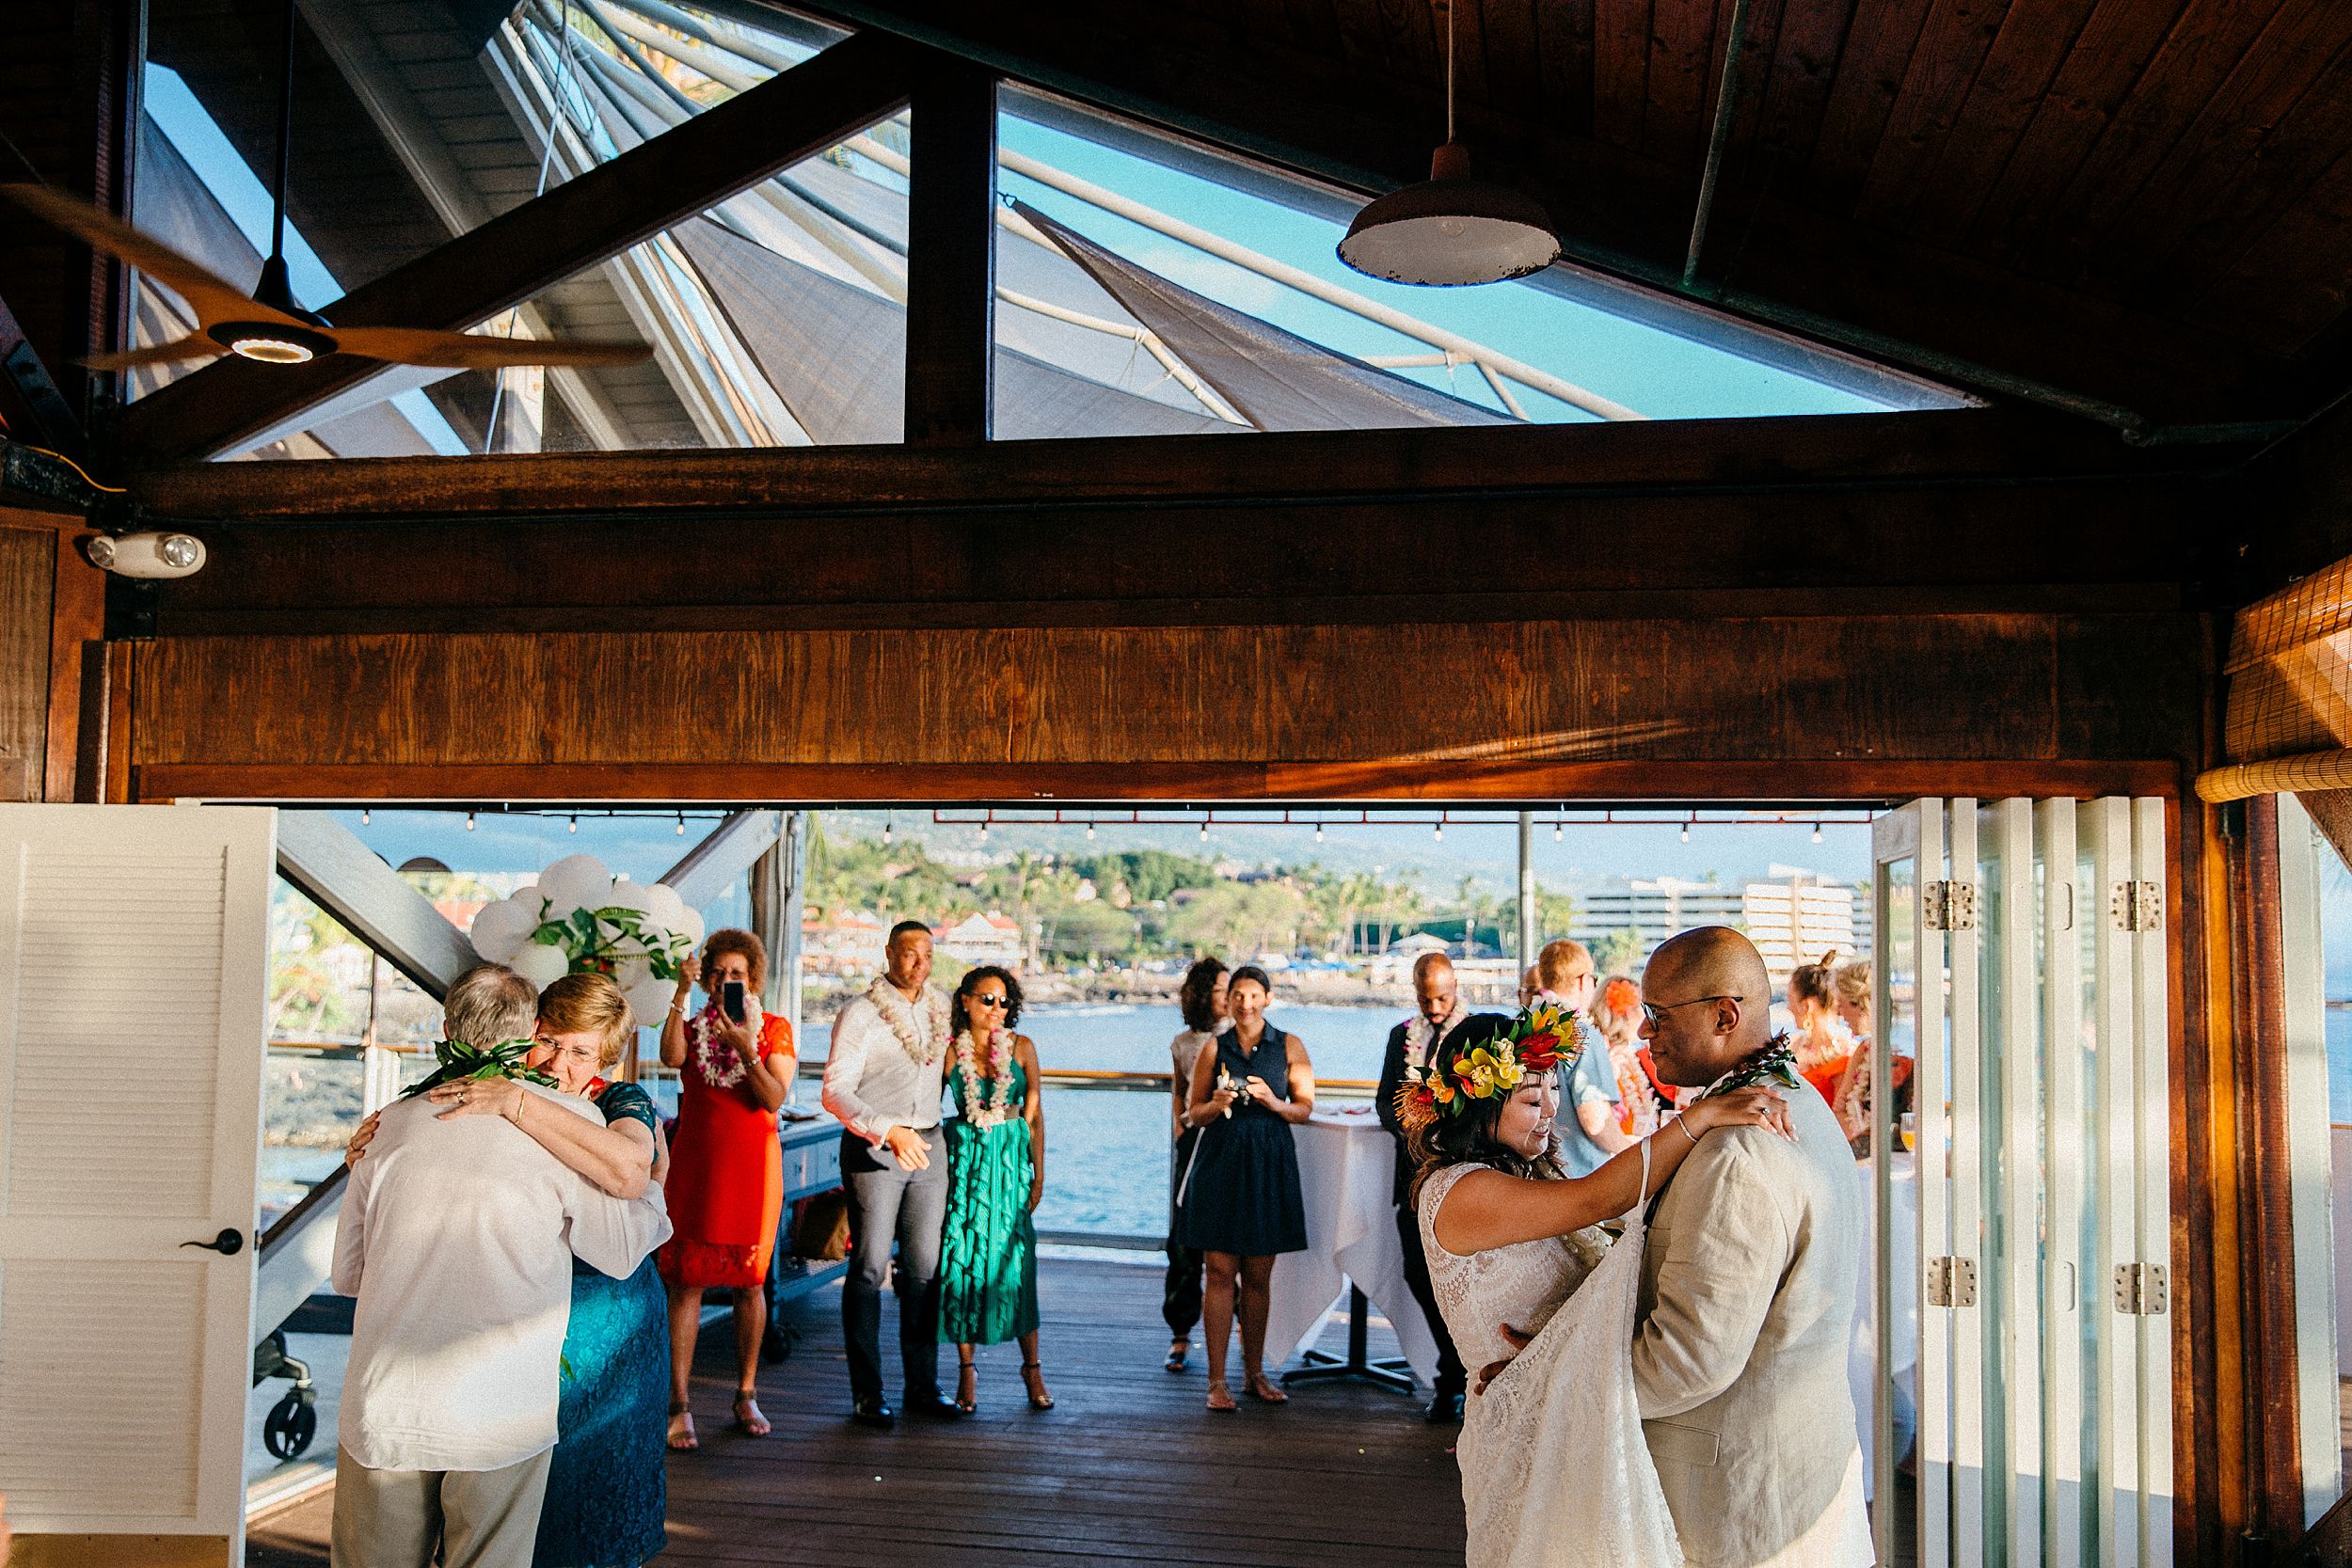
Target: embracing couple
{"type": "Point", "coordinates": [1678, 1396]}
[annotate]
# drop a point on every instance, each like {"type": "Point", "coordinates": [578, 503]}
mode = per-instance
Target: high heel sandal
{"type": "Point", "coordinates": [1033, 1373]}
{"type": "Point", "coordinates": [967, 1389]}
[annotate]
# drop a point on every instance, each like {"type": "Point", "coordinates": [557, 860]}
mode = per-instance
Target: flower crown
{"type": "Point", "coordinates": [1545, 1033]}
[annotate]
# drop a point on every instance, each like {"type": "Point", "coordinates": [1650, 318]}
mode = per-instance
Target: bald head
{"type": "Point", "coordinates": [1435, 990]}
{"type": "Point", "coordinates": [1714, 996]}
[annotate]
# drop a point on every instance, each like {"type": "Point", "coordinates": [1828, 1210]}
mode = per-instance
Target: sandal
{"type": "Point", "coordinates": [967, 1389]}
{"type": "Point", "coordinates": [1258, 1387]}
{"type": "Point", "coordinates": [682, 1438]}
{"type": "Point", "coordinates": [1219, 1397]}
{"type": "Point", "coordinates": [754, 1424]}
{"type": "Point", "coordinates": [1178, 1353]}
{"type": "Point", "coordinates": [1033, 1373]}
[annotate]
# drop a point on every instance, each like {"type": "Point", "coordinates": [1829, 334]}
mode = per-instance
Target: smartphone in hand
{"type": "Point", "coordinates": [731, 998]}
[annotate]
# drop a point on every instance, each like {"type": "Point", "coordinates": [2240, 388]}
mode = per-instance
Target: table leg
{"type": "Point", "coordinates": [1393, 1373]}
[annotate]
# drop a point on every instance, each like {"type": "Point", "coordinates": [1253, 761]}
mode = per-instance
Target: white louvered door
{"type": "Point", "coordinates": [134, 974]}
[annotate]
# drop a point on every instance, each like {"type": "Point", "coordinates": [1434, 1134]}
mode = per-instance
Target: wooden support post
{"type": "Point", "coordinates": [77, 626]}
{"type": "Point", "coordinates": [952, 256]}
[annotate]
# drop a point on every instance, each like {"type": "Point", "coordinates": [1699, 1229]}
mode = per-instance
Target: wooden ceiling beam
{"type": "Point", "coordinates": [516, 254]}
{"type": "Point", "coordinates": [1952, 446]}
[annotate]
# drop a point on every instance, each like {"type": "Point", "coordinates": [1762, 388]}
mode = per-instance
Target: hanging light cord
{"type": "Point", "coordinates": [285, 137]}
{"type": "Point", "coordinates": [1449, 69]}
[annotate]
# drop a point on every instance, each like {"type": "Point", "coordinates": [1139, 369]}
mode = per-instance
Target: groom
{"type": "Point", "coordinates": [1747, 1300]}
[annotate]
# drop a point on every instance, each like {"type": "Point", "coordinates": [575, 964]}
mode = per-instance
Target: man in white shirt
{"type": "Point", "coordinates": [882, 1080]}
{"type": "Point", "coordinates": [456, 1237]}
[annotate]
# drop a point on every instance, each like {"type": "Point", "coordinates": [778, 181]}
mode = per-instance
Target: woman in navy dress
{"type": "Point", "coordinates": [1239, 1205]}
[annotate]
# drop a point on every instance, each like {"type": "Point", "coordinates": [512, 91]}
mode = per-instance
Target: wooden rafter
{"type": "Point", "coordinates": [510, 257]}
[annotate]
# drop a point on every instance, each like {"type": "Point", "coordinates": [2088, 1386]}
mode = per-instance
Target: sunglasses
{"type": "Point", "coordinates": [1656, 1011]}
{"type": "Point", "coordinates": [985, 1000]}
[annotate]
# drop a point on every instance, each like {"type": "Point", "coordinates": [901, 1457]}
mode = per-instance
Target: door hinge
{"type": "Point", "coordinates": [2136, 905]}
{"type": "Point", "coordinates": [1951, 1282]}
{"type": "Point", "coordinates": [2142, 1288]}
{"type": "Point", "coordinates": [1947, 906]}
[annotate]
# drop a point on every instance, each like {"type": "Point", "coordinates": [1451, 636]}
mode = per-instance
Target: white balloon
{"type": "Point", "coordinates": [667, 909]}
{"type": "Point", "coordinates": [692, 927]}
{"type": "Point", "coordinates": [627, 895]}
{"type": "Point", "coordinates": [575, 882]}
{"type": "Point", "coordinates": [629, 973]}
{"type": "Point", "coordinates": [498, 929]}
{"type": "Point", "coordinates": [540, 964]}
{"type": "Point", "coordinates": [650, 1002]}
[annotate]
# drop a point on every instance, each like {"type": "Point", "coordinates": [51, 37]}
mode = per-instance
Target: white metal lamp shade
{"type": "Point", "coordinates": [1451, 230]}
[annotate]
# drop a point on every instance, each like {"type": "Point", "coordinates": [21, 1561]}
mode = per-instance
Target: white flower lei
{"type": "Point", "coordinates": [722, 1064]}
{"type": "Point", "coordinates": [899, 1014]}
{"type": "Point", "coordinates": [1420, 1033]}
{"type": "Point", "coordinates": [995, 1086]}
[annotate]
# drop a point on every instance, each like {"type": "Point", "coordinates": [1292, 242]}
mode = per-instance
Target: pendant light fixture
{"type": "Point", "coordinates": [1452, 228]}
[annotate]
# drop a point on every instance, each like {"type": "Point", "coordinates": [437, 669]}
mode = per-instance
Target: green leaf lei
{"type": "Point", "coordinates": [1776, 1065]}
{"type": "Point", "coordinates": [461, 1060]}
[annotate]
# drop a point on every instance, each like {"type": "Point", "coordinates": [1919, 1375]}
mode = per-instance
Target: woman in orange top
{"type": "Point", "coordinates": [1821, 1043]}
{"type": "Point", "coordinates": [726, 1170]}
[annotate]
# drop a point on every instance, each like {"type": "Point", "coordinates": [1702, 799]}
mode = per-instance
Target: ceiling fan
{"type": "Point", "coordinates": [267, 325]}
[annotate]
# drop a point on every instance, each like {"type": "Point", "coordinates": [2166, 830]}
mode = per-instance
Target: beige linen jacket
{"type": "Point", "coordinates": [1747, 1310]}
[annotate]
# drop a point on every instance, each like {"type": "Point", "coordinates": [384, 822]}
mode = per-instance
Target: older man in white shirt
{"type": "Point", "coordinates": [882, 1080]}
{"type": "Point", "coordinates": [457, 1237]}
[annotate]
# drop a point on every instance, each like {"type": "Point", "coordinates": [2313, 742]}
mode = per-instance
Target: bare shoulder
{"type": "Point", "coordinates": [1294, 1048]}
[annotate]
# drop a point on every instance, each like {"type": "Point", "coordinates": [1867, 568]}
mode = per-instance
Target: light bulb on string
{"type": "Point", "coordinates": [572, 826]}
{"type": "Point", "coordinates": [1686, 832]}
{"type": "Point", "coordinates": [1090, 832]}
{"type": "Point", "coordinates": [1436, 833]}
{"type": "Point", "coordinates": [1555, 829]}
{"type": "Point", "coordinates": [1318, 832]}
{"type": "Point", "coordinates": [470, 822]}
{"type": "Point", "coordinates": [681, 824]}
{"type": "Point", "coordinates": [983, 829]}
{"type": "Point", "coordinates": [1204, 830]}
{"type": "Point", "coordinates": [366, 817]}
{"type": "Point", "coordinates": [1817, 832]}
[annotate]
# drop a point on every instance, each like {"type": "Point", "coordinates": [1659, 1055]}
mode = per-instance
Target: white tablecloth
{"type": "Point", "coordinates": [1347, 1171]}
{"type": "Point", "coordinates": [1903, 1355]}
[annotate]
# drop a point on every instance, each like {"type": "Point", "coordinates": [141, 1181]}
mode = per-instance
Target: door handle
{"type": "Point", "coordinates": [228, 1243]}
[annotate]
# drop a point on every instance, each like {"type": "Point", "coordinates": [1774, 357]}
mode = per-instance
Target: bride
{"type": "Point", "coordinates": [1556, 1473]}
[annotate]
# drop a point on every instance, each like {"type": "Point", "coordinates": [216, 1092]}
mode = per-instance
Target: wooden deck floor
{"type": "Point", "coordinates": [1128, 1467]}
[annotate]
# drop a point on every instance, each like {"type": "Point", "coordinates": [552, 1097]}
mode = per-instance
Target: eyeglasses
{"type": "Point", "coordinates": [987, 1001]}
{"type": "Point", "coordinates": [1656, 1011]}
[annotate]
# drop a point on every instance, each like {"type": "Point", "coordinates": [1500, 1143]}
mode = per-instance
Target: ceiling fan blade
{"type": "Point", "coordinates": [406, 345]}
{"type": "Point", "coordinates": [214, 299]}
{"type": "Point", "coordinates": [156, 353]}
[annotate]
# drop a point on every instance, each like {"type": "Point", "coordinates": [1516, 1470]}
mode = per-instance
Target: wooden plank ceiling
{"type": "Point", "coordinates": [2146, 201]}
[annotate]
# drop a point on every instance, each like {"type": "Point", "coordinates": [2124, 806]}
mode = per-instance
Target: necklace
{"type": "Point", "coordinates": [923, 1045]}
{"type": "Point", "coordinates": [720, 1064]}
{"type": "Point", "coordinates": [1776, 1065]}
{"type": "Point", "coordinates": [1420, 1033]}
{"type": "Point", "coordinates": [992, 1090]}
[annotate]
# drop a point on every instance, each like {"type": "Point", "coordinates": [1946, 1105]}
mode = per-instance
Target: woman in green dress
{"type": "Point", "coordinates": [996, 1175]}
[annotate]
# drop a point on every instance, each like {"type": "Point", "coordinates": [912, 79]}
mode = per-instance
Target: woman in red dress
{"type": "Point", "coordinates": [726, 1169]}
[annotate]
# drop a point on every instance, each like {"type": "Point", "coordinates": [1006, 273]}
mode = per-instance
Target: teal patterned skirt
{"type": "Point", "coordinates": [606, 1489]}
{"type": "Point", "coordinates": [988, 1255]}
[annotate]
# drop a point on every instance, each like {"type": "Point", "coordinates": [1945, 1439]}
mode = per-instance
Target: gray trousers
{"type": "Point", "coordinates": [479, 1519]}
{"type": "Point", "coordinates": [907, 1207]}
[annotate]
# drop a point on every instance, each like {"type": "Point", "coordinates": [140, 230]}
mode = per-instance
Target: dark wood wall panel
{"type": "Point", "coordinates": [27, 578]}
{"type": "Point", "coordinates": [1787, 691]}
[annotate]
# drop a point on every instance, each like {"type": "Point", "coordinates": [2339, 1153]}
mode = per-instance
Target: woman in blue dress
{"type": "Point", "coordinates": [606, 1491]}
{"type": "Point", "coordinates": [1239, 1205]}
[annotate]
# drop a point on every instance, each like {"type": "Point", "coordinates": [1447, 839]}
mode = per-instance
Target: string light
{"type": "Point", "coordinates": [886, 822]}
{"type": "Point", "coordinates": [983, 832]}
{"type": "Point", "coordinates": [1686, 832]}
{"type": "Point", "coordinates": [366, 817]}
{"type": "Point", "coordinates": [1555, 829]}
{"type": "Point", "coordinates": [1817, 832]}
{"type": "Point", "coordinates": [1318, 832]}
{"type": "Point", "coordinates": [1204, 830]}
{"type": "Point", "coordinates": [572, 826]}
{"type": "Point", "coordinates": [1437, 832]}
{"type": "Point", "coordinates": [681, 824]}
{"type": "Point", "coordinates": [470, 822]}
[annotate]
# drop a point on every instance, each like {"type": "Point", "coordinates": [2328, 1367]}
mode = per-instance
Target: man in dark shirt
{"type": "Point", "coordinates": [1437, 1007]}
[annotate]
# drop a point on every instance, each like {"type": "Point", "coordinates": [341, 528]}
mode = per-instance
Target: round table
{"type": "Point", "coordinates": [1347, 1175]}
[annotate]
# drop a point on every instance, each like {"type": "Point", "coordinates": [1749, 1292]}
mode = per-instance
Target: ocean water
{"type": "Point", "coordinates": [2339, 1066]}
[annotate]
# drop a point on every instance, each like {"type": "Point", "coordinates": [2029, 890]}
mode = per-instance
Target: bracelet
{"type": "Point", "coordinates": [1687, 1132]}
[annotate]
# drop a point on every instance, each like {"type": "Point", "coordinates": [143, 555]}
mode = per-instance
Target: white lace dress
{"type": "Point", "coordinates": [1556, 1473]}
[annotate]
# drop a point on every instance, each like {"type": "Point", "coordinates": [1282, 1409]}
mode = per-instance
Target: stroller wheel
{"type": "Point", "coordinates": [290, 1425]}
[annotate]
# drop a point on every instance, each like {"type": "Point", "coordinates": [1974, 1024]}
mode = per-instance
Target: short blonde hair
{"type": "Point", "coordinates": [587, 1003]}
{"type": "Point", "coordinates": [488, 1005]}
